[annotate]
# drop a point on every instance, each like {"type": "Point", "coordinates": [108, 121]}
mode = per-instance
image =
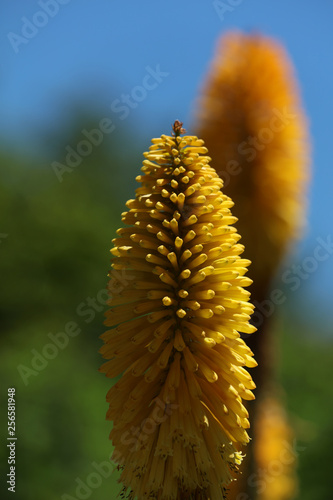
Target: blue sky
{"type": "Point", "coordinates": [97, 50]}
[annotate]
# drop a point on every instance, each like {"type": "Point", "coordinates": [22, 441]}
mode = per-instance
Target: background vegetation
{"type": "Point", "coordinates": [54, 257]}
{"type": "Point", "coordinates": [55, 236]}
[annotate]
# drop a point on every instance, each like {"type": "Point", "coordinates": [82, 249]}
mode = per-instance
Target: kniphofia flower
{"type": "Point", "coordinates": [251, 119]}
{"type": "Point", "coordinates": [178, 419]}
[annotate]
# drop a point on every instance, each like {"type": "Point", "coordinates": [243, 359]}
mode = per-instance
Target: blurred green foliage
{"type": "Point", "coordinates": [305, 372]}
{"type": "Point", "coordinates": [54, 257]}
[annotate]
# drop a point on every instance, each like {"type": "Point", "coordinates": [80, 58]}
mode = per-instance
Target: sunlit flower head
{"type": "Point", "coordinates": [178, 419]}
{"type": "Point", "coordinates": [251, 120]}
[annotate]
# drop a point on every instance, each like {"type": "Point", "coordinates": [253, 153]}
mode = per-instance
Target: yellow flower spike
{"type": "Point", "coordinates": [251, 119]}
{"type": "Point", "coordinates": [177, 412]}
{"type": "Point", "coordinates": [252, 122]}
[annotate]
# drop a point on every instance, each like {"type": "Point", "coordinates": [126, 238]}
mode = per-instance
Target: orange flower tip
{"type": "Point", "coordinates": [183, 293]}
{"type": "Point", "coordinates": [239, 84]}
{"type": "Point", "coordinates": [185, 274]}
{"type": "Point", "coordinates": [181, 313]}
{"type": "Point", "coordinates": [167, 301]}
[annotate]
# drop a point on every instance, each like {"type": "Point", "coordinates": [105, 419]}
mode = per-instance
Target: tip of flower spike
{"type": "Point", "coordinates": [178, 129]}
